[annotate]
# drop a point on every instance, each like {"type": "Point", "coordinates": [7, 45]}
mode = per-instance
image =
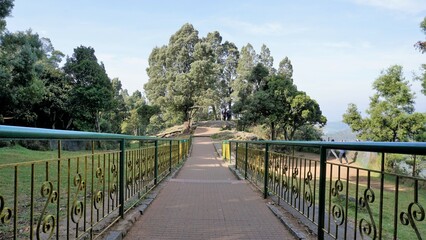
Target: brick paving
{"type": "Point", "coordinates": [206, 201]}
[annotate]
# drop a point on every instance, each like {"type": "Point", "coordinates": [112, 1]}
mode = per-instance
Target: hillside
{"type": "Point", "coordinates": [338, 131]}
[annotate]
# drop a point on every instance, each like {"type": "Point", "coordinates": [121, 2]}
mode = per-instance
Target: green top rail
{"type": "Point", "coordinates": [12, 132]}
{"type": "Point", "coordinates": [418, 148]}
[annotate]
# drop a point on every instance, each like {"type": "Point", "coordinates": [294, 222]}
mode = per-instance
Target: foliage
{"type": "Point", "coordinates": [5, 10]}
{"type": "Point", "coordinates": [276, 102]}
{"type": "Point", "coordinates": [391, 113]}
{"type": "Point", "coordinates": [92, 94]}
{"type": "Point", "coordinates": [421, 45]}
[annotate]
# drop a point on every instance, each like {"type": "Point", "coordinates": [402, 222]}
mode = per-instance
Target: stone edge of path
{"type": "Point", "coordinates": [123, 226]}
{"type": "Point", "coordinates": [297, 232]}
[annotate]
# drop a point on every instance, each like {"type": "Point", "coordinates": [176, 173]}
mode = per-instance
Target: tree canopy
{"type": "Point", "coordinates": [391, 115]}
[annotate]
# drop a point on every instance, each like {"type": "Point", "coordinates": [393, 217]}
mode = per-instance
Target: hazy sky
{"type": "Point", "coordinates": [337, 47]}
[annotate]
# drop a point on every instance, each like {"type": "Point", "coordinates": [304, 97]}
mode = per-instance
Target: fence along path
{"type": "Point", "coordinates": [206, 201]}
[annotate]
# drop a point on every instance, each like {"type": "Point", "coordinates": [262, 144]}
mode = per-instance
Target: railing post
{"type": "Point", "coordinates": [178, 151]}
{"type": "Point", "coordinates": [246, 162]}
{"type": "Point", "coordinates": [265, 183]}
{"type": "Point", "coordinates": [121, 178]}
{"type": "Point", "coordinates": [156, 163]}
{"type": "Point", "coordinates": [229, 151]}
{"type": "Point", "coordinates": [170, 159]}
{"type": "Point", "coordinates": [321, 201]}
{"type": "Point", "coordinates": [236, 156]}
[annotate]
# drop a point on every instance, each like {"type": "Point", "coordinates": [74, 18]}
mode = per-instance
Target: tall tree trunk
{"type": "Point", "coordinates": [272, 131]}
{"type": "Point", "coordinates": [214, 112]}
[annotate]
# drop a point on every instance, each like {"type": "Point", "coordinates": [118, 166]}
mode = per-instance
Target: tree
{"type": "Point", "coordinates": [111, 121]}
{"type": "Point", "coordinates": [21, 63]}
{"type": "Point", "coordinates": [229, 62]}
{"type": "Point", "coordinates": [421, 45]}
{"type": "Point", "coordinates": [5, 10]}
{"type": "Point", "coordinates": [391, 115]}
{"type": "Point", "coordinates": [285, 68]}
{"type": "Point", "coordinates": [91, 94]}
{"type": "Point", "coordinates": [277, 103]}
{"type": "Point", "coordinates": [139, 116]}
{"type": "Point", "coordinates": [170, 84]}
{"type": "Point", "coordinates": [246, 62]}
{"type": "Point", "coordinates": [266, 59]}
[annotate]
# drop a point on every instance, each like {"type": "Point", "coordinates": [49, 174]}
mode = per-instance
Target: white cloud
{"type": "Point", "coordinates": [409, 6]}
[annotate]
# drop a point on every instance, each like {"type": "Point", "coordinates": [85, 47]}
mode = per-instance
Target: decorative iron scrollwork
{"type": "Point", "coordinates": [337, 210]}
{"type": "Point", "coordinates": [99, 196]}
{"type": "Point", "coordinates": [77, 206]}
{"type": "Point", "coordinates": [5, 213]}
{"type": "Point", "coordinates": [367, 227]}
{"type": "Point", "coordinates": [113, 186]}
{"type": "Point", "coordinates": [46, 224]}
{"type": "Point", "coordinates": [284, 178]}
{"type": "Point", "coordinates": [294, 188]}
{"type": "Point", "coordinates": [129, 182]}
{"type": "Point", "coordinates": [416, 213]}
{"type": "Point", "coordinates": [308, 190]}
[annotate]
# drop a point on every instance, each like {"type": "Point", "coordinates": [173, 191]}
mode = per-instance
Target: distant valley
{"type": "Point", "coordinates": [338, 131]}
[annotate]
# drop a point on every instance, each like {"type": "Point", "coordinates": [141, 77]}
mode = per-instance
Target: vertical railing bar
{"type": "Point", "coordinates": [322, 183]}
{"type": "Point", "coordinates": [287, 193]}
{"type": "Point", "coordinates": [121, 178]}
{"type": "Point", "coordinates": [315, 191]}
{"type": "Point", "coordinates": [416, 182]}
{"type": "Point", "coordinates": [229, 151]}
{"type": "Point", "coordinates": [103, 185]}
{"type": "Point", "coordinates": [178, 151]}
{"type": "Point", "coordinates": [304, 187]}
{"type": "Point", "coordinates": [291, 178]}
{"type": "Point", "coordinates": [246, 159]}
{"type": "Point", "coordinates": [68, 196]}
{"type": "Point", "coordinates": [59, 195]}
{"type": "Point", "coordinates": [77, 223]}
{"type": "Point", "coordinates": [170, 159]}
{"type": "Point", "coordinates": [300, 183]}
{"type": "Point", "coordinates": [338, 178]}
{"type": "Point", "coordinates": [329, 197]}
{"type": "Point", "coordinates": [32, 203]}
{"type": "Point", "coordinates": [156, 163]}
{"type": "Point", "coordinates": [85, 194]}
{"type": "Point", "coordinates": [395, 219]}
{"type": "Point", "coordinates": [15, 205]}
{"type": "Point", "coordinates": [236, 156]}
{"type": "Point", "coordinates": [92, 190]}
{"type": "Point", "coordinates": [382, 182]}
{"type": "Point", "coordinates": [347, 202]}
{"type": "Point", "coordinates": [356, 203]}
{"type": "Point", "coordinates": [265, 183]}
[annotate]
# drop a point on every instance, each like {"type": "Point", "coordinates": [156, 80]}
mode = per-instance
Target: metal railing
{"type": "Point", "coordinates": [78, 194]}
{"type": "Point", "coordinates": [379, 194]}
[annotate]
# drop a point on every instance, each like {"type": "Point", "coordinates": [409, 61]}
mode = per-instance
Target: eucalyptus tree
{"type": "Point", "coordinates": [170, 84]}
{"type": "Point", "coordinates": [266, 59]}
{"type": "Point", "coordinates": [285, 68]}
{"type": "Point", "coordinates": [391, 116]}
{"type": "Point", "coordinates": [241, 86]}
{"type": "Point", "coordinates": [226, 61]}
{"type": "Point", "coordinates": [421, 45]}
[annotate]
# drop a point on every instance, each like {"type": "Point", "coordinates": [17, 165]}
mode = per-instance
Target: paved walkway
{"type": "Point", "coordinates": [205, 201]}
